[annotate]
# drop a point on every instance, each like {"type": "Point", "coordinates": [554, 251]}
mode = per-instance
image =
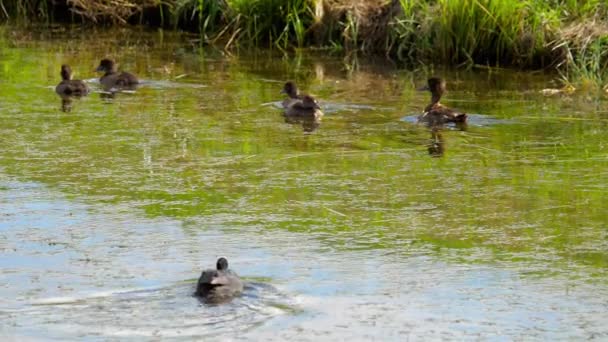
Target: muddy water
{"type": "Point", "coordinates": [363, 225]}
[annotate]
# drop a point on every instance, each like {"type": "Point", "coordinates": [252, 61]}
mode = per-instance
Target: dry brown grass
{"type": "Point", "coordinates": [363, 23]}
{"type": "Point", "coordinates": [584, 32]}
{"type": "Point", "coordinates": [117, 11]}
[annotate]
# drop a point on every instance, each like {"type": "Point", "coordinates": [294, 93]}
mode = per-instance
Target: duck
{"type": "Point", "coordinates": [299, 105]}
{"type": "Point", "coordinates": [114, 79]}
{"type": "Point", "coordinates": [435, 113]}
{"type": "Point", "coordinates": [220, 284]}
{"type": "Point", "coordinates": [68, 86]}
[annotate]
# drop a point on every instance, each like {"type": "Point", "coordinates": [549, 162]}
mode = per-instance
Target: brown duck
{"type": "Point", "coordinates": [68, 86]}
{"type": "Point", "coordinates": [219, 285]}
{"type": "Point", "coordinates": [297, 104]}
{"type": "Point", "coordinates": [114, 79]}
{"type": "Point", "coordinates": [436, 113]}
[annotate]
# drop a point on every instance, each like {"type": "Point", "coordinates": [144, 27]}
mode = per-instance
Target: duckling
{"type": "Point", "coordinates": [436, 113]}
{"type": "Point", "coordinates": [302, 105]}
{"type": "Point", "coordinates": [294, 97]}
{"type": "Point", "coordinates": [219, 285]}
{"type": "Point", "coordinates": [306, 106]}
{"type": "Point", "coordinates": [114, 79]}
{"type": "Point", "coordinates": [68, 86]}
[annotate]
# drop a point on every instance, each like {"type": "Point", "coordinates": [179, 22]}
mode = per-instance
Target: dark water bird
{"type": "Point", "coordinates": [114, 79]}
{"type": "Point", "coordinates": [297, 104]}
{"type": "Point", "coordinates": [68, 86]}
{"type": "Point", "coordinates": [436, 113]}
{"type": "Point", "coordinates": [219, 285]}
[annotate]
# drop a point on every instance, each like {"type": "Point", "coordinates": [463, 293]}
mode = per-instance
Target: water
{"type": "Point", "coordinates": [363, 225]}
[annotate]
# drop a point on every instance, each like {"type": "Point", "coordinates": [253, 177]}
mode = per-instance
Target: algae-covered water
{"type": "Point", "coordinates": [364, 225]}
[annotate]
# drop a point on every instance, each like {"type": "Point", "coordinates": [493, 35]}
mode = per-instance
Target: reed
{"type": "Point", "coordinates": [586, 64]}
{"type": "Point", "coordinates": [271, 22]}
{"type": "Point", "coordinates": [570, 35]}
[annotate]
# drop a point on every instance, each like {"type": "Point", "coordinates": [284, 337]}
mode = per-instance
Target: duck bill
{"type": "Point", "coordinates": [424, 88]}
{"type": "Point", "coordinates": [99, 69]}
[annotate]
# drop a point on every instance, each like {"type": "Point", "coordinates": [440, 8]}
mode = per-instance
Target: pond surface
{"type": "Point", "coordinates": [364, 225]}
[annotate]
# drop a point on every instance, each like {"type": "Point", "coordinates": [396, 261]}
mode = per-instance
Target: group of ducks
{"type": "Point", "coordinates": [296, 105]}
{"type": "Point", "coordinates": [221, 284]}
{"type": "Point", "coordinates": [111, 79]}
{"type": "Point", "coordinates": [434, 115]}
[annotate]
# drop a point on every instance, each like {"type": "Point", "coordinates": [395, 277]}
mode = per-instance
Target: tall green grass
{"type": "Point", "coordinates": [525, 33]}
{"type": "Point", "coordinates": [271, 22]}
{"type": "Point", "coordinates": [587, 66]}
{"type": "Point", "coordinates": [25, 11]}
{"type": "Point", "coordinates": [474, 31]}
{"type": "Point", "coordinates": [206, 16]}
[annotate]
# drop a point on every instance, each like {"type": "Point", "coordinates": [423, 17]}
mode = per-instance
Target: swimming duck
{"type": "Point", "coordinates": [436, 113]}
{"type": "Point", "coordinates": [113, 78]}
{"type": "Point", "coordinates": [307, 107]}
{"type": "Point", "coordinates": [294, 97]}
{"type": "Point", "coordinates": [302, 105]}
{"type": "Point", "coordinates": [68, 86]}
{"type": "Point", "coordinates": [219, 285]}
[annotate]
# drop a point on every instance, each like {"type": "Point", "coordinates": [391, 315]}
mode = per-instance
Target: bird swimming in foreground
{"type": "Point", "coordinates": [68, 86]}
{"type": "Point", "coordinates": [435, 113]}
{"type": "Point", "coordinates": [220, 284]}
{"type": "Point", "coordinates": [114, 79]}
{"type": "Point", "coordinates": [297, 104]}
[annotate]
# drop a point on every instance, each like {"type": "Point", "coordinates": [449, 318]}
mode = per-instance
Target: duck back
{"type": "Point", "coordinates": [115, 79]}
{"type": "Point", "coordinates": [219, 285]}
{"type": "Point", "coordinates": [72, 88]}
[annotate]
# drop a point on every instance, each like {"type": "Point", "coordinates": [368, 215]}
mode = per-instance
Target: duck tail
{"type": "Point", "coordinates": [460, 117]}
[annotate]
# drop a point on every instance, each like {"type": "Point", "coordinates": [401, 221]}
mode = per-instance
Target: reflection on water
{"type": "Point", "coordinates": [66, 103]}
{"type": "Point", "coordinates": [437, 145]}
{"type": "Point", "coordinates": [111, 210]}
{"type": "Point", "coordinates": [309, 124]}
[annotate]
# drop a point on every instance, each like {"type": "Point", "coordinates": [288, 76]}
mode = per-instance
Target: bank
{"type": "Point", "coordinates": [565, 35]}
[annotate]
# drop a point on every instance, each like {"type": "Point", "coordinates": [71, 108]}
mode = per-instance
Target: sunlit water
{"type": "Point", "coordinates": [362, 226]}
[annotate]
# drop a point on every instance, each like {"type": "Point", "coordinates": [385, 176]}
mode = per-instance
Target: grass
{"type": "Point", "coordinates": [585, 47]}
{"type": "Point", "coordinates": [570, 35]}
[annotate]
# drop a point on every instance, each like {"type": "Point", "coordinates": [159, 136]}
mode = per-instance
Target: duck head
{"type": "Point", "coordinates": [106, 65]}
{"type": "Point", "coordinates": [436, 86]}
{"type": "Point", "coordinates": [66, 72]}
{"type": "Point", "coordinates": [215, 277]}
{"type": "Point", "coordinates": [290, 89]}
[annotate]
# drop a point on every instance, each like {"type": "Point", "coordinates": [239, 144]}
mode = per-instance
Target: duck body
{"type": "Point", "coordinates": [306, 107]}
{"type": "Point", "coordinates": [435, 113]}
{"type": "Point", "coordinates": [114, 79]}
{"type": "Point", "coordinates": [438, 114]}
{"type": "Point", "coordinates": [220, 284]}
{"type": "Point", "coordinates": [68, 86]}
{"type": "Point", "coordinates": [300, 105]}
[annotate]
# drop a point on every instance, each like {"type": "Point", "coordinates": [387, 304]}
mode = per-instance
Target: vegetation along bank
{"type": "Point", "coordinates": [570, 36]}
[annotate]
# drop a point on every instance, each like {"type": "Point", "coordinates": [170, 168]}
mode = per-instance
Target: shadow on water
{"type": "Point", "coordinates": [309, 124]}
